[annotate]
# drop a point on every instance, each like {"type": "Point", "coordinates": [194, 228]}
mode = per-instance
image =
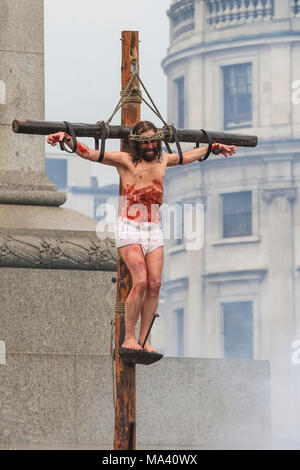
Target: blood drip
{"type": "Point", "coordinates": [147, 196]}
{"type": "Point", "coordinates": [83, 149]}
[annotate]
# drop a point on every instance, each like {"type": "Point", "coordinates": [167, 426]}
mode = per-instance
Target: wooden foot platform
{"type": "Point", "coordinates": [139, 357]}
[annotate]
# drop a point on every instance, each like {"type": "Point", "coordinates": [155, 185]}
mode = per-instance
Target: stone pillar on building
{"type": "Point", "coordinates": [195, 92]}
{"type": "Point", "coordinates": [200, 18]}
{"type": "Point", "coordinates": [279, 315]}
{"type": "Point", "coordinates": [194, 222]}
{"type": "Point", "coordinates": [282, 9]}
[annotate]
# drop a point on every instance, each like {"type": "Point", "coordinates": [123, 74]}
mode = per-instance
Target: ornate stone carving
{"type": "Point", "coordinates": [56, 251]}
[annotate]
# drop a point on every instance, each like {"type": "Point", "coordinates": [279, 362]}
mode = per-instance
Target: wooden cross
{"type": "Point", "coordinates": [125, 417]}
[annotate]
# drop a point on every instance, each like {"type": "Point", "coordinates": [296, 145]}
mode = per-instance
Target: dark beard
{"type": "Point", "coordinates": [149, 158]}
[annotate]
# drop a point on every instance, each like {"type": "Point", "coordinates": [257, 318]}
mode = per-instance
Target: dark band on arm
{"type": "Point", "coordinates": [210, 142]}
{"type": "Point", "coordinates": [104, 135]}
{"type": "Point", "coordinates": [71, 132]}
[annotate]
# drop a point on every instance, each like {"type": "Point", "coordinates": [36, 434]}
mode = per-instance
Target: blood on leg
{"type": "Point", "coordinates": [135, 262]}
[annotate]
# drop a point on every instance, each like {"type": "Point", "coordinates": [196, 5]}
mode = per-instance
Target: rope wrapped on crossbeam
{"type": "Point", "coordinates": [134, 95]}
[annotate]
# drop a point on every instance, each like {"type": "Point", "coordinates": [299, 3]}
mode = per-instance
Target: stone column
{"type": "Point", "coordinates": [278, 316]}
{"type": "Point", "coordinates": [22, 157]}
{"type": "Point", "coordinates": [195, 92]}
{"type": "Point", "coordinates": [282, 9]}
{"type": "Point", "coordinates": [200, 17]}
{"type": "Point", "coordinates": [194, 315]}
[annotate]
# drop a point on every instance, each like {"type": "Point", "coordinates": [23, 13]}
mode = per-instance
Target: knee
{"type": "Point", "coordinates": [153, 285]}
{"type": "Point", "coordinates": [141, 285]}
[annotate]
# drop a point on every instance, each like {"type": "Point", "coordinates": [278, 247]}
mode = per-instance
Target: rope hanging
{"type": "Point", "coordinates": [134, 95]}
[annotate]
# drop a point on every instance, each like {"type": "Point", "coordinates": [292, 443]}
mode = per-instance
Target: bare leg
{"type": "Point", "coordinates": [135, 262]}
{"type": "Point", "coordinates": [154, 263]}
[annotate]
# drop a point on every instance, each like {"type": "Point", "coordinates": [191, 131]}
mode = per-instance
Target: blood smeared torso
{"type": "Point", "coordinates": [142, 190]}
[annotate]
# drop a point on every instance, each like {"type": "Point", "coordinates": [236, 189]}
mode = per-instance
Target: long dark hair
{"type": "Point", "coordinates": [140, 128]}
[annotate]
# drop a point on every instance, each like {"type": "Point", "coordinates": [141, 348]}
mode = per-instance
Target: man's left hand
{"type": "Point", "coordinates": [224, 149]}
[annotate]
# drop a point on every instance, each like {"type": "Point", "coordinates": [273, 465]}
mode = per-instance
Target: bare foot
{"type": "Point", "coordinates": [149, 348]}
{"type": "Point", "coordinates": [131, 343]}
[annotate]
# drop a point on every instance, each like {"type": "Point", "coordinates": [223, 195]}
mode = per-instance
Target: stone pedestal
{"type": "Point", "coordinates": [64, 400]}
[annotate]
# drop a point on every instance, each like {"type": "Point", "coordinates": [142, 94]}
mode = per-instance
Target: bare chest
{"type": "Point", "coordinates": [144, 183]}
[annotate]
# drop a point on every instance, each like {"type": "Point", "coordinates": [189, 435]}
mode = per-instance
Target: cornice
{"type": "Point", "coordinates": [236, 276]}
{"type": "Point", "coordinates": [271, 193]}
{"type": "Point", "coordinates": [181, 283]}
{"type": "Point", "coordinates": [240, 41]}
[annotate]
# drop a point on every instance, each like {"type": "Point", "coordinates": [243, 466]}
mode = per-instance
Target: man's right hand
{"type": "Point", "coordinates": [53, 139]}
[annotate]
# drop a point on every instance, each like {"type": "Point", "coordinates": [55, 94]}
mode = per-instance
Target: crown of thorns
{"type": "Point", "coordinates": [159, 135]}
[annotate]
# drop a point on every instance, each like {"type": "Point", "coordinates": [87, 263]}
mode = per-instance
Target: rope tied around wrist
{"type": "Point", "coordinates": [104, 133]}
{"type": "Point", "coordinates": [210, 144]}
{"type": "Point", "coordinates": [71, 132]}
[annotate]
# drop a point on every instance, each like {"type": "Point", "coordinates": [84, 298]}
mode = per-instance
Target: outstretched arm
{"type": "Point", "coordinates": [110, 158]}
{"type": "Point", "coordinates": [196, 154]}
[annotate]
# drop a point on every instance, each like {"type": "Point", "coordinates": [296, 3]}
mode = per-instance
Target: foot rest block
{"type": "Point", "coordinates": [139, 357]}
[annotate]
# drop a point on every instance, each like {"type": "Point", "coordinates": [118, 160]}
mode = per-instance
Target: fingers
{"type": "Point", "coordinates": [228, 149]}
{"type": "Point", "coordinates": [52, 139]}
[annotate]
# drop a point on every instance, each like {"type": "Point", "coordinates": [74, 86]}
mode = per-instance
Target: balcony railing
{"type": "Point", "coordinates": [296, 8]}
{"type": "Point", "coordinates": [225, 13]}
{"type": "Point", "coordinates": [181, 13]}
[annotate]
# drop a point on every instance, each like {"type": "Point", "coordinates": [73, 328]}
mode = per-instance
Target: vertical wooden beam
{"type": "Point", "coordinates": [125, 372]}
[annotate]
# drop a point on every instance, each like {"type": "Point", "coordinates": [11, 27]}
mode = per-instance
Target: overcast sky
{"type": "Point", "coordinates": [83, 59]}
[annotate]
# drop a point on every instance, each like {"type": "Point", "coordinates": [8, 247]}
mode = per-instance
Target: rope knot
{"type": "Point", "coordinates": [133, 95]}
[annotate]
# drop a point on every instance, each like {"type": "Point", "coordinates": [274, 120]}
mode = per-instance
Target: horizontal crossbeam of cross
{"type": "Point", "coordinates": [121, 132]}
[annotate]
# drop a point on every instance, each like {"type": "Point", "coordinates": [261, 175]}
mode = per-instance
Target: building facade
{"type": "Point", "coordinates": [234, 66]}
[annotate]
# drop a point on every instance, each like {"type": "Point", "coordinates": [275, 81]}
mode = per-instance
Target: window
{"type": "Point", "coordinates": [56, 170]}
{"type": "Point", "coordinates": [180, 333]}
{"type": "Point", "coordinates": [237, 214]}
{"type": "Point", "coordinates": [237, 96]}
{"type": "Point", "coordinates": [238, 330]}
{"type": "Point", "coordinates": [180, 101]}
